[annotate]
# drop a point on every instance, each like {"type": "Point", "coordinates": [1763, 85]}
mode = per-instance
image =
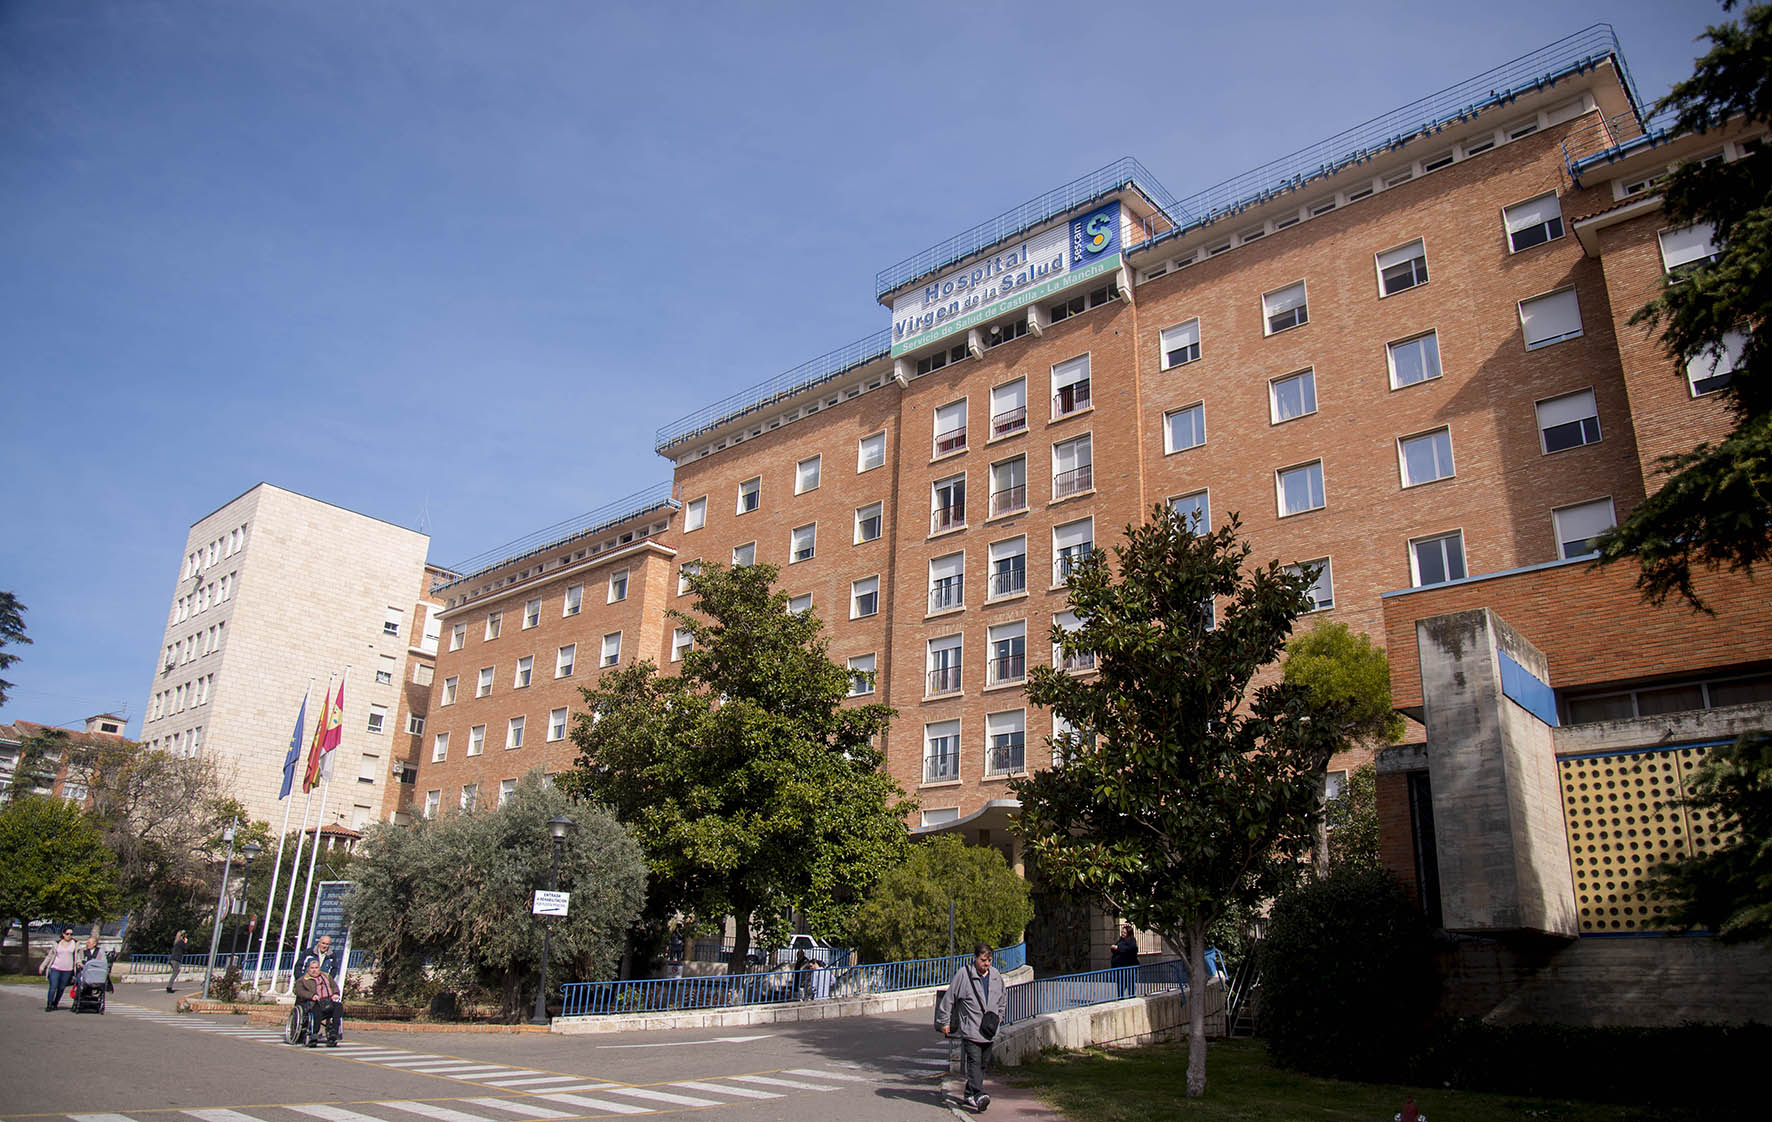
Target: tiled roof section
{"type": "Point", "coordinates": [1619, 205]}
{"type": "Point", "coordinates": [19, 730]}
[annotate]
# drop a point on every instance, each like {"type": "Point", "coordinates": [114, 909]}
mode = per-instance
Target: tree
{"type": "Point", "coordinates": [53, 864]}
{"type": "Point", "coordinates": [453, 895]}
{"type": "Point", "coordinates": [906, 915]}
{"type": "Point", "coordinates": [1350, 822]}
{"type": "Point", "coordinates": [750, 783]}
{"type": "Point", "coordinates": [1729, 889]}
{"type": "Point", "coordinates": [1715, 508]}
{"type": "Point", "coordinates": [1342, 668]}
{"type": "Point", "coordinates": [12, 630]}
{"type": "Point", "coordinates": [1183, 793]}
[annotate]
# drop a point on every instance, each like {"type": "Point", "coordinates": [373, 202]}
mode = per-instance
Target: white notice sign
{"type": "Point", "coordinates": [551, 903]}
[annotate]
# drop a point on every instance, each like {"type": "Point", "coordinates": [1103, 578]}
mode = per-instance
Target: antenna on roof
{"type": "Point", "coordinates": [424, 516]}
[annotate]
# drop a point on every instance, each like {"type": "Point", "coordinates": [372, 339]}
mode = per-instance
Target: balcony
{"type": "Point", "coordinates": [1077, 663]}
{"type": "Point", "coordinates": [1009, 581]}
{"type": "Point", "coordinates": [941, 767]}
{"type": "Point", "coordinates": [948, 592]}
{"type": "Point", "coordinates": [951, 441]}
{"type": "Point", "coordinates": [944, 679]}
{"type": "Point", "coordinates": [1073, 482]}
{"type": "Point", "coordinates": [1009, 668]}
{"type": "Point", "coordinates": [947, 517]}
{"type": "Point", "coordinates": [1071, 399]}
{"type": "Point", "coordinates": [1012, 420]}
{"type": "Point", "coordinates": [1008, 499]}
{"type": "Point", "coordinates": [1069, 558]}
{"type": "Point", "coordinates": [1008, 755]}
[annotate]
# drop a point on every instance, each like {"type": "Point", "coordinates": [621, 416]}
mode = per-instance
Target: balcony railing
{"type": "Point", "coordinates": [1012, 420]}
{"type": "Point", "coordinates": [1079, 661]}
{"type": "Point", "coordinates": [1007, 582]}
{"type": "Point", "coordinates": [947, 517]}
{"type": "Point", "coordinates": [1073, 482]}
{"type": "Point", "coordinates": [1071, 398]}
{"type": "Point", "coordinates": [948, 592]}
{"type": "Point", "coordinates": [1009, 668]}
{"type": "Point", "coordinates": [944, 679]}
{"type": "Point", "coordinates": [1008, 499]}
{"type": "Point", "coordinates": [945, 765]}
{"type": "Point", "coordinates": [951, 441]}
{"type": "Point", "coordinates": [1068, 559]}
{"type": "Point", "coordinates": [1007, 757]}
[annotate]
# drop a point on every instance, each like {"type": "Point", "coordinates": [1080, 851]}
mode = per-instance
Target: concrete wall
{"type": "Point", "coordinates": [1116, 1024]}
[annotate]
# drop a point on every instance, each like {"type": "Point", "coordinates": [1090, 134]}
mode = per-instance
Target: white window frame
{"type": "Point", "coordinates": [1008, 723]}
{"type": "Point", "coordinates": [1196, 517]}
{"type": "Point", "coordinates": [866, 586]}
{"type": "Point", "coordinates": [1306, 377]}
{"type": "Point", "coordinates": [1009, 466]}
{"type": "Point", "coordinates": [1415, 545]}
{"type": "Point", "coordinates": [495, 625]}
{"type": "Point", "coordinates": [949, 572]}
{"type": "Point", "coordinates": [800, 605]}
{"type": "Point", "coordinates": [751, 492]}
{"type": "Point", "coordinates": [1078, 537]}
{"type": "Point", "coordinates": [439, 747]}
{"type": "Point", "coordinates": [1405, 443]}
{"type": "Point", "coordinates": [1322, 488]}
{"type": "Point", "coordinates": [378, 719]}
{"type": "Point", "coordinates": [684, 571]}
{"type": "Point", "coordinates": [1006, 632]}
{"type": "Point", "coordinates": [695, 514]}
{"type": "Point", "coordinates": [802, 543]}
{"type": "Point", "coordinates": [1005, 400]}
{"type": "Point", "coordinates": [1559, 301]}
{"type": "Point", "coordinates": [525, 672]}
{"type": "Point", "coordinates": [458, 636]}
{"type": "Point", "coordinates": [506, 789]}
{"type": "Point", "coordinates": [450, 685]}
{"type": "Point", "coordinates": [483, 685]}
{"type": "Point", "coordinates": [806, 474]}
{"type": "Point", "coordinates": [1006, 550]}
{"type": "Point", "coordinates": [870, 452]}
{"type": "Point", "coordinates": [947, 734]}
{"type": "Point", "coordinates": [1587, 511]}
{"type": "Point", "coordinates": [611, 653]}
{"type": "Point", "coordinates": [949, 428]}
{"type": "Point", "coordinates": [1079, 451]}
{"type": "Point", "coordinates": [476, 740]}
{"type": "Point", "coordinates": [1529, 215]}
{"type": "Point", "coordinates": [557, 720]}
{"type": "Point", "coordinates": [1197, 413]}
{"type": "Point", "coordinates": [573, 601]}
{"type": "Point", "coordinates": [744, 556]}
{"type": "Point", "coordinates": [860, 686]}
{"type": "Point", "coordinates": [1390, 358]}
{"type": "Point", "coordinates": [948, 487]}
{"type": "Point", "coordinates": [1184, 338]}
{"type": "Point", "coordinates": [514, 729]}
{"type": "Point", "coordinates": [1714, 367]}
{"type": "Point", "coordinates": [618, 586]}
{"type": "Point", "coordinates": [1577, 408]}
{"type": "Point", "coordinates": [1402, 255]}
{"type": "Point", "coordinates": [951, 667]}
{"type": "Point", "coordinates": [565, 660]}
{"type": "Point", "coordinates": [863, 516]}
{"type": "Point", "coordinates": [531, 612]}
{"type": "Point", "coordinates": [1687, 247]}
{"type": "Point", "coordinates": [1277, 302]}
{"type": "Point", "coordinates": [1072, 372]}
{"type": "Point", "coordinates": [1322, 590]}
{"type": "Point", "coordinates": [682, 642]}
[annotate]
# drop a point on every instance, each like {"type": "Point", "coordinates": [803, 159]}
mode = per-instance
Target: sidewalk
{"type": "Point", "coordinates": [1006, 1102]}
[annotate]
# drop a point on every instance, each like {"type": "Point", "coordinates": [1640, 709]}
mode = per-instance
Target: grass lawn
{"type": "Point", "coordinates": [1150, 1085]}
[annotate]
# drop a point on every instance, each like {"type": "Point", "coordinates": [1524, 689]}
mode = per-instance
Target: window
{"type": "Point", "coordinates": [378, 718]}
{"type": "Point", "coordinates": [1009, 486]}
{"type": "Point", "coordinates": [423, 673]}
{"type": "Point", "coordinates": [1009, 408]}
{"type": "Point", "coordinates": [458, 635]}
{"type": "Point", "coordinates": [864, 597]}
{"type": "Point", "coordinates": [806, 474]}
{"type": "Point", "coordinates": [1414, 360]}
{"type": "Point", "coordinates": [870, 452]}
{"type": "Point", "coordinates": [941, 751]}
{"type": "Point", "coordinates": [684, 572]}
{"type": "Point", "coordinates": [1008, 653]}
{"type": "Point", "coordinates": [439, 747]}
{"type": "Point", "coordinates": [750, 495]}
{"type": "Point", "coordinates": [1076, 661]}
{"type": "Point", "coordinates": [1070, 387]}
{"type": "Point", "coordinates": [415, 725]}
{"type": "Point", "coordinates": [1181, 344]}
{"type": "Point", "coordinates": [485, 684]}
{"type": "Point", "coordinates": [1073, 467]}
{"type": "Point", "coordinates": [1568, 421]}
{"type": "Point", "coordinates": [525, 671]}
{"type": "Point", "coordinates": [563, 660]}
{"type": "Point", "coordinates": [556, 724]}
{"type": "Point", "coordinates": [944, 664]}
{"type": "Point", "coordinates": [390, 625]}
{"type": "Point", "coordinates": [1533, 222]}
{"type": "Point", "coordinates": [949, 504]}
{"type": "Point", "coordinates": [861, 675]}
{"type": "Point", "coordinates": [867, 522]}
{"type": "Point", "coordinates": [1322, 590]}
{"type": "Point", "coordinates": [802, 543]}
{"type": "Point", "coordinates": [1683, 251]}
{"type": "Point", "coordinates": [1008, 739]}
{"type": "Point", "coordinates": [1710, 371]}
{"type": "Point", "coordinates": [1070, 544]}
{"type": "Point", "coordinates": [449, 685]}
{"type": "Point", "coordinates": [1402, 268]}
{"type": "Point", "coordinates": [1184, 428]}
{"type": "Point", "coordinates": [1284, 308]}
{"type": "Point", "coordinates": [432, 800]}
{"type": "Point", "coordinates": [939, 815]}
{"type": "Point", "coordinates": [618, 586]}
{"type": "Point", "coordinates": [682, 642]}
{"type": "Point", "coordinates": [1292, 397]}
{"type": "Point", "coordinates": [1425, 458]}
{"type": "Point", "coordinates": [575, 598]}
{"type": "Point", "coordinates": [1437, 560]}
{"type": "Point", "coordinates": [932, 362]}
{"type": "Point", "coordinates": [999, 333]}
{"type": "Point", "coordinates": [947, 586]}
{"type": "Point", "coordinates": [1577, 526]}
{"type": "Point", "coordinates": [476, 740]}
{"type": "Point", "coordinates": [1300, 488]}
{"type": "Point", "coordinates": [494, 624]}
{"type": "Point", "coordinates": [800, 605]}
{"type": "Point", "coordinates": [1194, 511]}
{"type": "Point", "coordinates": [695, 514]}
{"type": "Point", "coordinates": [1009, 568]}
{"type": "Point", "coordinates": [506, 788]}
{"type": "Point", "coordinates": [514, 733]}
{"type": "Point", "coordinates": [1550, 319]}
{"type": "Point", "coordinates": [470, 794]}
{"type": "Point", "coordinates": [950, 427]}
{"type": "Point", "coordinates": [1661, 698]}
{"type": "Point", "coordinates": [611, 649]}
{"type": "Point", "coordinates": [384, 671]}
{"type": "Point", "coordinates": [745, 554]}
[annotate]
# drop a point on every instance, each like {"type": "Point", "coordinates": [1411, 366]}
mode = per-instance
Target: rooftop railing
{"type": "Point", "coordinates": [1607, 140]}
{"type": "Point", "coordinates": [604, 517]}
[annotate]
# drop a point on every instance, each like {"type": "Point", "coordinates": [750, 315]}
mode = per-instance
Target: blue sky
{"type": "Point", "coordinates": [459, 261]}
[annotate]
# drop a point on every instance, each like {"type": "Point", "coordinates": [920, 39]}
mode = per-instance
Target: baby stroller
{"type": "Point", "coordinates": [91, 985]}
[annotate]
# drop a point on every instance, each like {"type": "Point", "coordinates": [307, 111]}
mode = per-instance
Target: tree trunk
{"type": "Point", "coordinates": [741, 943]}
{"type": "Point", "coordinates": [1196, 1010]}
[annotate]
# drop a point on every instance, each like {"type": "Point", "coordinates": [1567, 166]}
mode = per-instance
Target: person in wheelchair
{"type": "Point", "coordinates": [318, 998]}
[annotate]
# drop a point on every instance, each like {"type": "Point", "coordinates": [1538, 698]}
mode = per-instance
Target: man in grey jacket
{"type": "Point", "coordinates": [977, 990]}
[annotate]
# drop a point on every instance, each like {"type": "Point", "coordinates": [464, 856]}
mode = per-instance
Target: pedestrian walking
{"type": "Point", "coordinates": [59, 965]}
{"type": "Point", "coordinates": [1125, 954]}
{"type": "Point", "coordinates": [675, 952]}
{"type": "Point", "coordinates": [176, 958]}
{"type": "Point", "coordinates": [973, 1007]}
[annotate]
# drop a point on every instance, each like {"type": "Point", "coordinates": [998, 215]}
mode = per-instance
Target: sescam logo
{"type": "Point", "coordinates": [1094, 234]}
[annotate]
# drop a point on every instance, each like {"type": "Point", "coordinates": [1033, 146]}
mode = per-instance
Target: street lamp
{"type": "Point", "coordinates": [248, 852]}
{"type": "Point", "coordinates": [559, 827]}
{"type": "Point", "coordinates": [221, 899]}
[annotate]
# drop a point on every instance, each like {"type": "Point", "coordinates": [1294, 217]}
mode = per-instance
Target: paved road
{"type": "Point", "coordinates": [141, 1062]}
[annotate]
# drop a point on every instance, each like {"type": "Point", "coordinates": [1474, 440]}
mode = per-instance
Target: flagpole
{"type": "Point", "coordinates": [264, 937]}
{"type": "Point", "coordinates": [320, 819]}
{"type": "Point", "coordinates": [295, 864]}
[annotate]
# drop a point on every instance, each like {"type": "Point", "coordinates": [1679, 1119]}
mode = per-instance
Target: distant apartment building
{"type": "Point", "coordinates": [64, 775]}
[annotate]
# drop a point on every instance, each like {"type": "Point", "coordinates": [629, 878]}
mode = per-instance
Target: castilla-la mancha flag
{"type": "Point", "coordinates": [328, 731]}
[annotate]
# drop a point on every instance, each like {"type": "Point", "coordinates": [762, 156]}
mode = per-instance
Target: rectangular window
{"type": "Point", "coordinates": [864, 597]}
{"type": "Point", "coordinates": [1076, 661]}
{"type": "Point", "coordinates": [484, 687]}
{"type": "Point", "coordinates": [618, 586]}
{"type": "Point", "coordinates": [1683, 251]}
{"type": "Point", "coordinates": [1070, 544]}
{"type": "Point", "coordinates": [557, 724]}
{"type": "Point", "coordinates": [575, 598]}
{"type": "Point", "coordinates": [390, 625]}
{"type": "Point", "coordinates": [1009, 568]}
{"type": "Point", "coordinates": [1009, 486]}
{"type": "Point", "coordinates": [433, 799]}
{"type": "Point", "coordinates": [1414, 360]}
{"type": "Point", "coordinates": [947, 586]}
{"type": "Point", "coordinates": [1568, 421]}
{"type": "Point", "coordinates": [750, 495]}
{"type": "Point", "coordinates": [745, 554]}
{"type": "Point", "coordinates": [800, 605]}
{"type": "Point", "coordinates": [525, 671]}
{"type": "Point", "coordinates": [1425, 458]}
{"type": "Point", "coordinates": [415, 725]}
{"type": "Point", "coordinates": [378, 718]}
{"type": "Point", "coordinates": [806, 475]}
{"type": "Point", "coordinates": [870, 452]}
{"type": "Point", "coordinates": [514, 733]}
{"type": "Point", "coordinates": [384, 672]}
{"type": "Point", "coordinates": [611, 648]}
{"type": "Point", "coordinates": [1284, 308]}
{"type": "Point", "coordinates": [1437, 560]}
{"type": "Point", "coordinates": [1550, 319]}
{"type": "Point", "coordinates": [531, 613]}
{"type": "Point", "coordinates": [1292, 397]}
{"type": "Point", "coordinates": [944, 664]}
{"type": "Point", "coordinates": [695, 514]}
{"type": "Point", "coordinates": [682, 642]}
{"type": "Point", "coordinates": [941, 751]}
{"type": "Point", "coordinates": [423, 673]}
{"type": "Point", "coordinates": [1322, 590]}
{"type": "Point", "coordinates": [470, 795]}
{"type": "Point", "coordinates": [950, 427]}
{"type": "Point", "coordinates": [1008, 742]}
{"type": "Point", "coordinates": [563, 660]}
{"type": "Point", "coordinates": [1009, 408]}
{"type": "Point", "coordinates": [802, 543]}
{"type": "Point", "coordinates": [1070, 387]}
{"type": "Point", "coordinates": [868, 520]}
{"type": "Point", "coordinates": [1300, 488]}
{"type": "Point", "coordinates": [948, 498]}
{"type": "Point", "coordinates": [506, 788]}
{"type": "Point", "coordinates": [458, 635]}
{"type": "Point", "coordinates": [476, 740]}
{"type": "Point", "coordinates": [439, 747]}
{"type": "Point", "coordinates": [494, 624]}
{"type": "Point", "coordinates": [1180, 344]}
{"type": "Point", "coordinates": [861, 675]}
{"type": "Point", "coordinates": [1577, 526]}
{"type": "Point", "coordinates": [684, 572]}
{"type": "Point", "coordinates": [449, 685]}
{"type": "Point", "coordinates": [1184, 428]}
{"type": "Point", "coordinates": [1007, 653]}
{"type": "Point", "coordinates": [1402, 268]}
{"type": "Point", "coordinates": [1533, 222]}
{"type": "Point", "coordinates": [1194, 510]}
{"type": "Point", "coordinates": [1073, 467]}
{"type": "Point", "coordinates": [1709, 371]}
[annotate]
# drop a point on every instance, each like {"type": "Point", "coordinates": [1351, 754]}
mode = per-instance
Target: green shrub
{"type": "Point", "coordinates": [1348, 978]}
{"type": "Point", "coordinates": [226, 985]}
{"type": "Point", "coordinates": [906, 915]}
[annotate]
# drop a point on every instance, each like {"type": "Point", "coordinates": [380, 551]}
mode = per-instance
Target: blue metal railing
{"type": "Point", "coordinates": [1604, 141]}
{"type": "Point", "coordinates": [145, 965]}
{"type": "Point", "coordinates": [607, 515]}
{"type": "Point", "coordinates": [1071, 991]}
{"type": "Point", "coordinates": [778, 986]}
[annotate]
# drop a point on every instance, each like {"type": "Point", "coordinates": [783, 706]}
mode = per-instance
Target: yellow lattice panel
{"type": "Point", "coordinates": [1622, 818]}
